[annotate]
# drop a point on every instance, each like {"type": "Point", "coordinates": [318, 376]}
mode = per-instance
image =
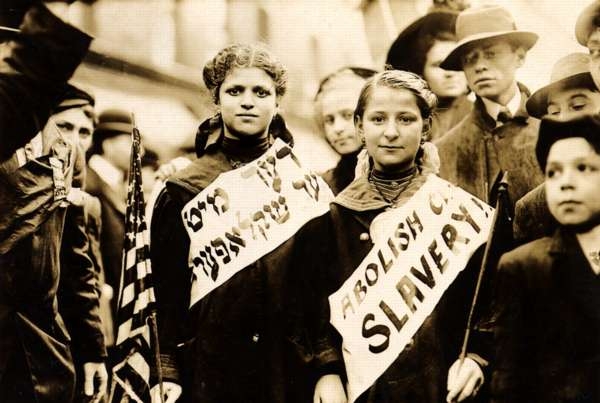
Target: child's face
{"type": "Point", "coordinates": [392, 127]}
{"type": "Point", "coordinates": [573, 181]}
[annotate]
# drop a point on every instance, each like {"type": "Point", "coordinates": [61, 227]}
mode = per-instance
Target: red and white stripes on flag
{"type": "Point", "coordinates": [131, 375]}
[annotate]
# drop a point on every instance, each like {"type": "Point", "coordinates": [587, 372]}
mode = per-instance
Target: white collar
{"type": "Point", "coordinates": [106, 171]}
{"type": "Point", "coordinates": [494, 108]}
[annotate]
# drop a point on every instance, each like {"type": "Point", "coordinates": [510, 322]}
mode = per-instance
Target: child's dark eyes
{"type": "Point", "coordinates": [233, 91]}
{"type": "Point", "coordinates": [262, 93]}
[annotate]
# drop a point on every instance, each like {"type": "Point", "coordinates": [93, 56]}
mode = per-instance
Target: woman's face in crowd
{"type": "Point", "coordinates": [444, 83]}
{"type": "Point", "coordinates": [337, 108]}
{"type": "Point", "coordinates": [75, 124]}
{"type": "Point", "coordinates": [248, 102]}
{"type": "Point", "coordinates": [392, 127]}
{"type": "Point", "coordinates": [572, 181]}
{"type": "Point", "coordinates": [571, 103]}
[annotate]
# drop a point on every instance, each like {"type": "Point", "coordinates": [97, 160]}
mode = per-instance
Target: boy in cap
{"type": "Point", "coordinates": [547, 333]}
{"type": "Point", "coordinates": [498, 135]}
{"type": "Point", "coordinates": [570, 94]}
{"type": "Point", "coordinates": [107, 172]}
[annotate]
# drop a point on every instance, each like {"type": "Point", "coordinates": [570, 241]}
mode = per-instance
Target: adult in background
{"type": "Point", "coordinates": [420, 48]}
{"type": "Point", "coordinates": [108, 165]}
{"type": "Point", "coordinates": [237, 343]}
{"type": "Point", "coordinates": [334, 111]}
{"type": "Point", "coordinates": [498, 135]}
{"type": "Point", "coordinates": [36, 170]}
{"type": "Point", "coordinates": [587, 32]}
{"type": "Point", "coordinates": [570, 94]}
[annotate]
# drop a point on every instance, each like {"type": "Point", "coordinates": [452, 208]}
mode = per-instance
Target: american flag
{"type": "Point", "coordinates": [135, 319]}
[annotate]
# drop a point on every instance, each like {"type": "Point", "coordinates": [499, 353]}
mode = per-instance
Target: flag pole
{"type": "Point", "coordinates": [159, 373]}
{"type": "Point", "coordinates": [502, 191]}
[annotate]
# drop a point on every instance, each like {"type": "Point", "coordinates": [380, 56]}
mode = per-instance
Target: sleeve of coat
{"type": "Point", "coordinates": [510, 367]}
{"type": "Point", "coordinates": [78, 290]}
{"type": "Point", "coordinates": [33, 73]}
{"type": "Point", "coordinates": [169, 247]}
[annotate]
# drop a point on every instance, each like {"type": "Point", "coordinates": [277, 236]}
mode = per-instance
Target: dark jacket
{"type": "Point", "coordinates": [475, 151]}
{"type": "Point", "coordinates": [533, 219]}
{"type": "Point", "coordinates": [240, 342]}
{"type": "Point", "coordinates": [548, 322]}
{"type": "Point", "coordinates": [449, 114]}
{"type": "Point", "coordinates": [342, 174]}
{"type": "Point", "coordinates": [35, 358]}
{"type": "Point", "coordinates": [340, 241]}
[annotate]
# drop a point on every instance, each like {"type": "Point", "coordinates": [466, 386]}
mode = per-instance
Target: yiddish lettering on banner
{"type": "Point", "coordinates": [247, 212]}
{"type": "Point", "coordinates": [424, 246]}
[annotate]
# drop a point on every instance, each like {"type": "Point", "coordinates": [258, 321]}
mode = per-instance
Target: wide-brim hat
{"type": "Point", "coordinates": [401, 54]}
{"type": "Point", "coordinates": [483, 23]}
{"type": "Point", "coordinates": [74, 97]}
{"type": "Point", "coordinates": [571, 71]}
{"type": "Point", "coordinates": [586, 23]}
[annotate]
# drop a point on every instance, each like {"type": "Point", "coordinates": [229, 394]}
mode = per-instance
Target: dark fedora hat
{"type": "Point", "coordinates": [552, 130]}
{"type": "Point", "coordinates": [587, 21]}
{"type": "Point", "coordinates": [74, 97]}
{"type": "Point", "coordinates": [571, 71]}
{"type": "Point", "coordinates": [401, 54]}
{"type": "Point", "coordinates": [482, 23]}
{"type": "Point", "coordinates": [113, 122]}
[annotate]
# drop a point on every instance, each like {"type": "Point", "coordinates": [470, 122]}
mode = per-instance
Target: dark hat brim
{"type": "Point", "coordinates": [404, 45]}
{"type": "Point", "coordinates": [537, 104]}
{"type": "Point", "coordinates": [452, 62]}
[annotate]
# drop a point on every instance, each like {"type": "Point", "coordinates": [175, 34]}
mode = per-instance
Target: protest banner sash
{"type": "Point", "coordinates": [422, 247]}
{"type": "Point", "coordinates": [246, 213]}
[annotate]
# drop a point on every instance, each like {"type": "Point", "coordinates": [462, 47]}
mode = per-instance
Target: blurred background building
{"type": "Point", "coordinates": [148, 54]}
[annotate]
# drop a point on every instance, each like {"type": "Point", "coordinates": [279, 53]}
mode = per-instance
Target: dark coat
{"type": "Point", "coordinates": [35, 359]}
{"type": "Point", "coordinates": [475, 151]}
{"type": "Point", "coordinates": [240, 343]}
{"type": "Point", "coordinates": [548, 324]}
{"type": "Point", "coordinates": [447, 115]}
{"type": "Point", "coordinates": [340, 241]}
{"type": "Point", "coordinates": [533, 219]}
{"type": "Point", "coordinates": [342, 174]}
{"type": "Point", "coordinates": [113, 229]}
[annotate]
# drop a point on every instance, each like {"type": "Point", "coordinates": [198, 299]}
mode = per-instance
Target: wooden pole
{"type": "Point", "coordinates": [156, 349]}
{"type": "Point", "coordinates": [502, 191]}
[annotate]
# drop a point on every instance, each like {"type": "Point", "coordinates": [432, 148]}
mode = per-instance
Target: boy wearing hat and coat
{"type": "Point", "coordinates": [498, 135]}
{"type": "Point", "coordinates": [547, 333]}
{"type": "Point", "coordinates": [570, 94]}
{"type": "Point", "coordinates": [587, 32]}
{"type": "Point", "coordinates": [107, 172]}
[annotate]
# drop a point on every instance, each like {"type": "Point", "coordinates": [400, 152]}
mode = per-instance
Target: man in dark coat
{"type": "Point", "coordinates": [36, 172]}
{"type": "Point", "coordinates": [498, 135]}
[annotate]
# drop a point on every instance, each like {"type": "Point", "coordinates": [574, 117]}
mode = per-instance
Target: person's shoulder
{"type": "Point", "coordinates": [532, 254]}
{"type": "Point", "coordinates": [200, 172]}
{"type": "Point", "coordinates": [453, 136]}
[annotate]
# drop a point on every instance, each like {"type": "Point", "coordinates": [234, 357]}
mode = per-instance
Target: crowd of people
{"type": "Point", "coordinates": [253, 318]}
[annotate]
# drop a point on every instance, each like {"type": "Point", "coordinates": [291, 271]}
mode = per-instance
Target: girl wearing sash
{"type": "Point", "coordinates": [334, 112]}
{"type": "Point", "coordinates": [236, 343]}
{"type": "Point", "coordinates": [392, 118]}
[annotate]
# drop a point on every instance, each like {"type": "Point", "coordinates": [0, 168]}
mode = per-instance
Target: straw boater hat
{"type": "Point", "coordinates": [587, 22]}
{"type": "Point", "coordinates": [486, 22]}
{"type": "Point", "coordinates": [571, 71]}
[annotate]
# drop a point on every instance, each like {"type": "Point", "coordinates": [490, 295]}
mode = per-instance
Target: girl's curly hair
{"type": "Point", "coordinates": [242, 56]}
